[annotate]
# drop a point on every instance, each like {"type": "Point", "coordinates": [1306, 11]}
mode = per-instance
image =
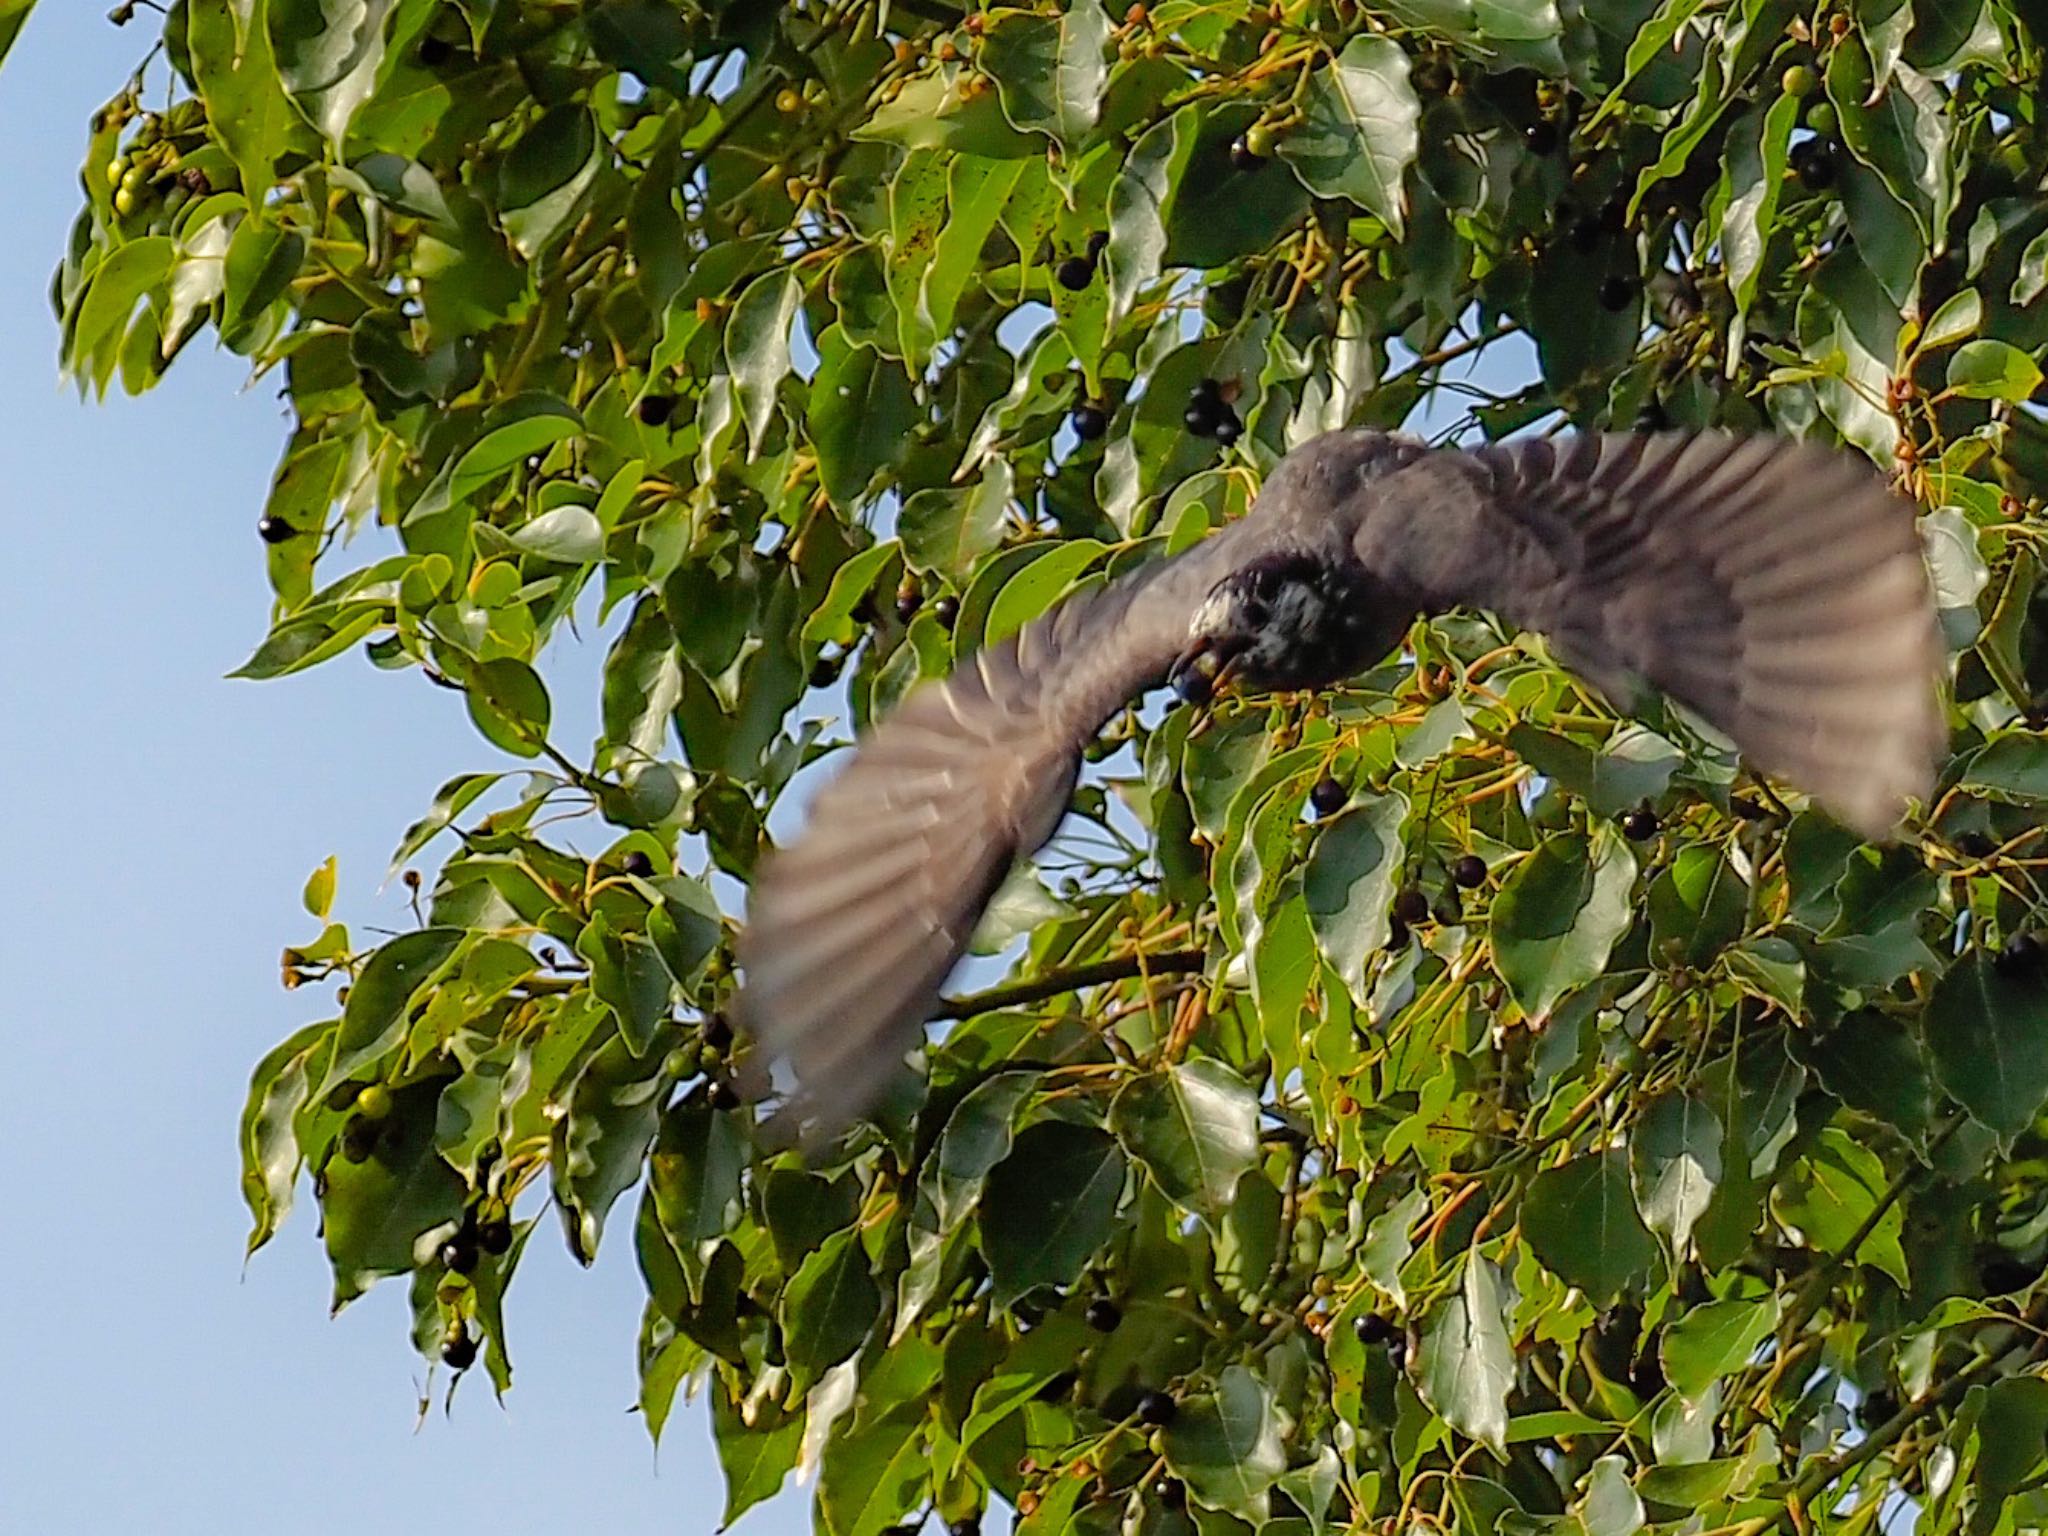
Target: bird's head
{"type": "Point", "coordinates": [1280, 622]}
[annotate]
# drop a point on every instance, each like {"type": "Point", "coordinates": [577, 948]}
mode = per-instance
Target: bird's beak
{"type": "Point", "coordinates": [1202, 671]}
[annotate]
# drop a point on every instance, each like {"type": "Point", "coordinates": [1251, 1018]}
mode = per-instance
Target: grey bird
{"type": "Point", "coordinates": [1776, 589]}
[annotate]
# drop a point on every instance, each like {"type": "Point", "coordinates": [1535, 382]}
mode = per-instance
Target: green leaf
{"type": "Point", "coordinates": [1830, 1192]}
{"type": "Point", "coordinates": [1049, 1206]}
{"type": "Point", "coordinates": [450, 801]}
{"type": "Point", "coordinates": [828, 1307]}
{"type": "Point", "coordinates": [1873, 1062]}
{"type": "Point", "coordinates": [1051, 70]}
{"type": "Point", "coordinates": [121, 280]}
{"type": "Point", "coordinates": [1610, 1506]}
{"type": "Point", "coordinates": [1768, 968]}
{"type": "Point", "coordinates": [328, 53]}
{"type": "Point", "coordinates": [875, 1474]}
{"type": "Point", "coordinates": [542, 183]}
{"type": "Point", "coordinates": [373, 1020]}
{"type": "Point", "coordinates": [1711, 1340]}
{"type": "Point", "coordinates": [1225, 1445]}
{"type": "Point", "coordinates": [271, 1158]}
{"type": "Point", "coordinates": [377, 1214]}
{"type": "Point", "coordinates": [509, 704]}
{"type": "Point", "coordinates": [1348, 886]}
{"type": "Point", "coordinates": [13, 17]}
{"type": "Point", "coordinates": [1697, 906]}
{"type": "Point", "coordinates": [1753, 175]}
{"type": "Point", "coordinates": [1358, 136]}
{"type": "Point", "coordinates": [237, 75]}
{"type": "Point", "coordinates": [756, 1457]}
{"type": "Point", "coordinates": [1194, 1127]}
{"type": "Point", "coordinates": [1992, 370]}
{"type": "Point", "coordinates": [945, 531]}
{"type": "Point", "coordinates": [1581, 1221]}
{"type": "Point", "coordinates": [1675, 1160]}
{"type": "Point", "coordinates": [1897, 128]}
{"type": "Point", "coordinates": [2010, 1434]}
{"type": "Point", "coordinates": [1635, 765]}
{"type": "Point", "coordinates": [601, 1143]}
{"type": "Point", "coordinates": [318, 896]}
{"type": "Point", "coordinates": [569, 533]}
{"type": "Point", "coordinates": [757, 342]}
{"type": "Point", "coordinates": [2012, 768]}
{"type": "Point", "coordinates": [1467, 1367]}
{"type": "Point", "coordinates": [2032, 275]}
{"type": "Point", "coordinates": [1960, 316]}
{"type": "Point", "coordinates": [1987, 1038]}
{"type": "Point", "coordinates": [859, 416]}
{"type": "Point", "coordinates": [1559, 914]}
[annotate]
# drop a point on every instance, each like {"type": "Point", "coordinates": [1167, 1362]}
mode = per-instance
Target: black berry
{"type": "Point", "coordinates": [1648, 1378]}
{"type": "Point", "coordinates": [654, 410]}
{"type": "Point", "coordinates": [825, 671]}
{"type": "Point", "coordinates": [1192, 686]}
{"type": "Point", "coordinates": [358, 1138]}
{"type": "Point", "coordinates": [1229, 429]}
{"type": "Point", "coordinates": [459, 1351]}
{"type": "Point", "coordinates": [1614, 215]}
{"type": "Point", "coordinates": [1652, 417]}
{"type": "Point", "coordinates": [434, 52]}
{"type": "Point", "coordinates": [1089, 421]}
{"type": "Point", "coordinates": [459, 1254]}
{"type": "Point", "coordinates": [1469, 871]}
{"type": "Point", "coordinates": [946, 610]}
{"type": "Point", "coordinates": [2020, 954]}
{"type": "Point", "coordinates": [717, 1031]}
{"type": "Point", "coordinates": [1371, 1328]}
{"type": "Point", "coordinates": [1173, 1493]}
{"type": "Point", "coordinates": [1203, 415]}
{"type": "Point", "coordinates": [1976, 845]}
{"type": "Point", "coordinates": [494, 1237]}
{"type": "Point", "coordinates": [1813, 162]}
{"type": "Point", "coordinates": [1410, 905]}
{"type": "Point", "coordinates": [1209, 390]}
{"type": "Point", "coordinates": [722, 1095]}
{"type": "Point", "coordinates": [274, 530]}
{"type": "Point", "coordinates": [908, 601]}
{"type": "Point", "coordinates": [1075, 273]}
{"type": "Point", "coordinates": [1639, 825]}
{"type": "Point", "coordinates": [2002, 1275]}
{"type": "Point", "coordinates": [1397, 933]}
{"type": "Point", "coordinates": [966, 1525]}
{"type": "Point", "coordinates": [1616, 293]}
{"type": "Point", "coordinates": [1242, 157]}
{"type": "Point", "coordinates": [1328, 797]}
{"type": "Point", "coordinates": [1541, 136]}
{"type": "Point", "coordinates": [1877, 1408]}
{"type": "Point", "coordinates": [1103, 1314]}
{"type": "Point", "coordinates": [637, 864]}
{"type": "Point", "coordinates": [1158, 1408]}
{"type": "Point", "coordinates": [1097, 243]}
{"type": "Point", "coordinates": [1585, 235]}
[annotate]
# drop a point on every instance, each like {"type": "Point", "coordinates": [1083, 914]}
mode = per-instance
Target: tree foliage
{"type": "Point", "coordinates": [1559, 1132]}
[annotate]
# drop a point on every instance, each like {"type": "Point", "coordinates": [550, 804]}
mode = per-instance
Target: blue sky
{"type": "Point", "coordinates": [159, 822]}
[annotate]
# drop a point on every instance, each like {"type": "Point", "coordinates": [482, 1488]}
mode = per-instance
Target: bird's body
{"type": "Point", "coordinates": [1774, 588]}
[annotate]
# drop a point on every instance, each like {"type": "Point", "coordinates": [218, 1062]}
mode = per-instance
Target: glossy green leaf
{"type": "Point", "coordinates": [1559, 914]}
{"type": "Point", "coordinates": [1581, 1221]}
{"type": "Point", "coordinates": [1194, 1127]}
{"type": "Point", "coordinates": [1467, 1366]}
{"type": "Point", "coordinates": [1226, 1445]}
{"type": "Point", "coordinates": [1358, 136]}
{"type": "Point", "coordinates": [1349, 886]}
{"type": "Point", "coordinates": [1049, 1206]}
{"type": "Point", "coordinates": [1987, 1040]}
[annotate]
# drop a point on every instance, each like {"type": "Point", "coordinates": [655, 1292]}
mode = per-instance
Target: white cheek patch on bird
{"type": "Point", "coordinates": [1777, 590]}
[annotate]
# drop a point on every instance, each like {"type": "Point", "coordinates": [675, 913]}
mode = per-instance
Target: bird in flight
{"type": "Point", "coordinates": [1777, 589]}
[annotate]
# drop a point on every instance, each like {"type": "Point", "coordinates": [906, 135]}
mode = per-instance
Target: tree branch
{"type": "Point", "coordinates": [1174, 962]}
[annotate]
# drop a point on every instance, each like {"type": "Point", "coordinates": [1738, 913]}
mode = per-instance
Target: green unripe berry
{"type": "Point", "coordinates": [1799, 81]}
{"type": "Point", "coordinates": [1821, 118]}
{"type": "Point", "coordinates": [1259, 140]}
{"type": "Point", "coordinates": [374, 1102]}
{"type": "Point", "coordinates": [124, 202]}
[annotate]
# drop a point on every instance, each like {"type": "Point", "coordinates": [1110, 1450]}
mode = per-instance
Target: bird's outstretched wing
{"type": "Point", "coordinates": [1775, 588]}
{"type": "Point", "coordinates": [853, 928]}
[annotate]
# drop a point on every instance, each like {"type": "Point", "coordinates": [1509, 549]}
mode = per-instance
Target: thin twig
{"type": "Point", "coordinates": [1174, 962]}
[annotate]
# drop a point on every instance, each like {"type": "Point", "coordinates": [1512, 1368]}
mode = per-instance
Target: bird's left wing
{"type": "Point", "coordinates": [853, 928]}
{"type": "Point", "coordinates": [1776, 588]}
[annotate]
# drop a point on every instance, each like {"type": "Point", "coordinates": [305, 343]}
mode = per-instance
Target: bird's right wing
{"type": "Point", "coordinates": [854, 927]}
{"type": "Point", "coordinates": [1776, 588]}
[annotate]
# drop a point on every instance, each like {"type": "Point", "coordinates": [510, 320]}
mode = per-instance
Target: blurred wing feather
{"type": "Point", "coordinates": [854, 927]}
{"type": "Point", "coordinates": [1775, 588]}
